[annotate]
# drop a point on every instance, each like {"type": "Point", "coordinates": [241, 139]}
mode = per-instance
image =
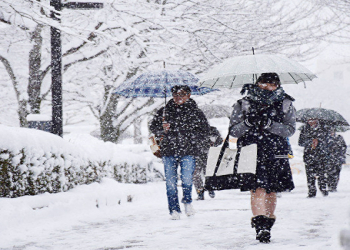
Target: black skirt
{"type": "Point", "coordinates": [272, 174]}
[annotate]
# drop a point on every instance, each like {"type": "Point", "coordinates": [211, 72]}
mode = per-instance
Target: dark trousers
{"type": "Point", "coordinates": [199, 172]}
{"type": "Point", "coordinates": [333, 176]}
{"type": "Point", "coordinates": [316, 170]}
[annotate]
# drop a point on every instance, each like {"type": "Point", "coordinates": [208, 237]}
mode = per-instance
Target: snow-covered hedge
{"type": "Point", "coordinates": [33, 162]}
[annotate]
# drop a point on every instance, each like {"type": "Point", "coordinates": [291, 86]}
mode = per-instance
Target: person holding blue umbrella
{"type": "Point", "coordinates": [183, 128]}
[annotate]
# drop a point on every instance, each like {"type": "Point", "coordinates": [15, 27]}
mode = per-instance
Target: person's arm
{"type": "Point", "coordinates": [156, 126]}
{"type": "Point", "coordinates": [287, 127]}
{"type": "Point", "coordinates": [219, 139]}
{"type": "Point", "coordinates": [342, 145]}
{"type": "Point", "coordinates": [203, 127]}
{"type": "Point", "coordinates": [237, 126]}
{"type": "Point", "coordinates": [216, 138]}
{"type": "Point", "coordinates": [304, 139]}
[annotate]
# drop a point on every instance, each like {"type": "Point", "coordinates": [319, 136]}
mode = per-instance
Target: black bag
{"type": "Point", "coordinates": [233, 180]}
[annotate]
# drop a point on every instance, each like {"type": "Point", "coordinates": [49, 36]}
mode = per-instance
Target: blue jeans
{"type": "Point", "coordinates": [187, 164]}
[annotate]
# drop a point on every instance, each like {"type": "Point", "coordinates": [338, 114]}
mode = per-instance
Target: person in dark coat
{"type": "Point", "coordinates": [313, 137]}
{"type": "Point", "coordinates": [337, 157]}
{"type": "Point", "coordinates": [183, 128]}
{"type": "Point", "coordinates": [201, 162]}
{"type": "Point", "coordinates": [265, 117]}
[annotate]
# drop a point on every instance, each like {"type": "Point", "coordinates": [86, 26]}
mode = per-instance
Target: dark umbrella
{"type": "Point", "coordinates": [329, 116]}
{"type": "Point", "coordinates": [336, 128]}
{"type": "Point", "coordinates": [216, 111]}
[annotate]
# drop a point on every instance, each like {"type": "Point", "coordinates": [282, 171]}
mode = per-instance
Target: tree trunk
{"type": "Point", "coordinates": [22, 104]}
{"type": "Point", "coordinates": [107, 130]}
{"type": "Point", "coordinates": [22, 113]}
{"type": "Point", "coordinates": [35, 80]}
{"type": "Point", "coordinates": [137, 132]}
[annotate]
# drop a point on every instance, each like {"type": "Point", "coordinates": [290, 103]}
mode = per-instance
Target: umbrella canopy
{"type": "Point", "coordinates": [329, 116]}
{"type": "Point", "coordinates": [336, 128]}
{"type": "Point", "coordinates": [237, 71]}
{"type": "Point", "coordinates": [159, 84]}
{"type": "Point", "coordinates": [216, 111]}
{"type": "Point", "coordinates": [341, 128]}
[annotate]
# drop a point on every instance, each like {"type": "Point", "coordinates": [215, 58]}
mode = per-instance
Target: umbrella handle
{"type": "Point", "coordinates": [164, 104]}
{"type": "Point", "coordinates": [163, 119]}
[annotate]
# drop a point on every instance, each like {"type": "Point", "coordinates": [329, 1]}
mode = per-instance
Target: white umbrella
{"type": "Point", "coordinates": [237, 71]}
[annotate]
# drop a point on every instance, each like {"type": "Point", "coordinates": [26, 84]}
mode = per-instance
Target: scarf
{"type": "Point", "coordinates": [263, 96]}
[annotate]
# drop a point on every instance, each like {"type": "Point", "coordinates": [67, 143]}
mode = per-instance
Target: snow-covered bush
{"type": "Point", "coordinates": [34, 162]}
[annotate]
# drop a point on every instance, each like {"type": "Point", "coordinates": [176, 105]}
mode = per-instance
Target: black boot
{"type": "Point", "coordinates": [263, 225]}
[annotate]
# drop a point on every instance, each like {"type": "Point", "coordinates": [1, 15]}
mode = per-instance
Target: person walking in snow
{"type": "Point", "coordinates": [201, 162]}
{"type": "Point", "coordinates": [265, 117]}
{"type": "Point", "coordinates": [184, 128]}
{"type": "Point", "coordinates": [313, 137]}
{"type": "Point", "coordinates": [337, 156]}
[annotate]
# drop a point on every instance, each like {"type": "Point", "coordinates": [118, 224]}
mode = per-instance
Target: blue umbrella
{"type": "Point", "coordinates": [159, 84]}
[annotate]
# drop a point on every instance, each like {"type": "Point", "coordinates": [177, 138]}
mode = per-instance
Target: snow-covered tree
{"type": "Point", "coordinates": [103, 48]}
{"type": "Point", "coordinates": [25, 50]}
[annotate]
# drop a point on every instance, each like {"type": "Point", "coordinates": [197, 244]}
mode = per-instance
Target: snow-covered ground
{"type": "Point", "coordinates": [99, 216]}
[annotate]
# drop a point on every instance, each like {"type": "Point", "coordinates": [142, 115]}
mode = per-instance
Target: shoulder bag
{"type": "Point", "coordinates": [226, 168]}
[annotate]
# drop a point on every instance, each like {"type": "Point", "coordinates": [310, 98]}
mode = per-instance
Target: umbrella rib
{"type": "Point", "coordinates": [234, 78]}
{"type": "Point", "coordinates": [308, 76]}
{"type": "Point", "coordinates": [215, 82]}
{"type": "Point", "coordinates": [292, 77]}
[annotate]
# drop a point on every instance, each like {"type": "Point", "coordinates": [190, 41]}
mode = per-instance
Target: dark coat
{"type": "Point", "coordinates": [273, 174]}
{"type": "Point", "coordinates": [189, 129]}
{"type": "Point", "coordinates": [215, 140]}
{"type": "Point", "coordinates": [336, 150]}
{"type": "Point", "coordinates": [307, 134]}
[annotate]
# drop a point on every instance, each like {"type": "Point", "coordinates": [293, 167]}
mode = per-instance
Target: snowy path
{"type": "Point", "coordinates": [72, 221]}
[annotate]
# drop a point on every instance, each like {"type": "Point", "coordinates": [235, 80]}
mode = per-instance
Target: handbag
{"type": "Point", "coordinates": [225, 171]}
{"type": "Point", "coordinates": [155, 148]}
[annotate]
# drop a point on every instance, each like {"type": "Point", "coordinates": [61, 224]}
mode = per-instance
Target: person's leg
{"type": "Point", "coordinates": [331, 177]}
{"type": "Point", "coordinates": [322, 179]}
{"type": "Point", "coordinates": [270, 204]}
{"type": "Point", "coordinates": [337, 176]}
{"type": "Point", "coordinates": [197, 176]}
{"type": "Point", "coordinates": [311, 180]}
{"type": "Point", "coordinates": [170, 169]}
{"type": "Point", "coordinates": [204, 158]}
{"type": "Point", "coordinates": [263, 203]}
{"type": "Point", "coordinates": [258, 202]}
{"type": "Point", "coordinates": [187, 164]}
{"type": "Point", "coordinates": [263, 208]}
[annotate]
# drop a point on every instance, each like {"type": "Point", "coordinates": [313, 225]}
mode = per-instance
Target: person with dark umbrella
{"type": "Point", "coordinates": [313, 137]}
{"type": "Point", "coordinates": [336, 158]}
{"type": "Point", "coordinates": [265, 117]}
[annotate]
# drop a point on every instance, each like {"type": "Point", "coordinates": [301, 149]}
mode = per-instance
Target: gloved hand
{"type": "Point", "coordinates": [252, 119]}
{"type": "Point", "coordinates": [265, 122]}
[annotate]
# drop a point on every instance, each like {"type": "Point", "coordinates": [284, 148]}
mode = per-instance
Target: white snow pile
{"type": "Point", "coordinates": [33, 162]}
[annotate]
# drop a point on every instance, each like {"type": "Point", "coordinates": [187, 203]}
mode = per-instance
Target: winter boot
{"type": "Point", "coordinates": [211, 194]}
{"type": "Point", "coordinates": [263, 225]}
{"type": "Point", "coordinates": [200, 195]}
